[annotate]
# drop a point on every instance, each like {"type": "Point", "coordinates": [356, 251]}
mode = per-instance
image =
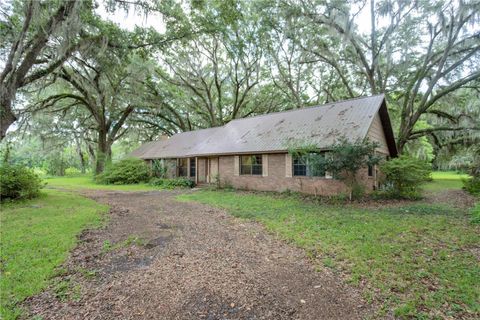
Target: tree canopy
{"type": "Point", "coordinates": [103, 86]}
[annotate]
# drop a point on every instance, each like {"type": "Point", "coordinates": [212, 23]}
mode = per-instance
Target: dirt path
{"type": "Point", "coordinates": [193, 262]}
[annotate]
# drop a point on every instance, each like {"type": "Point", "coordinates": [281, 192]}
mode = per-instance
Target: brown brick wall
{"type": "Point", "coordinates": [276, 180]}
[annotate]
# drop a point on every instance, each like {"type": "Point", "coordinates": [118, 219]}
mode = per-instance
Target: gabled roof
{"type": "Point", "coordinates": [276, 132]}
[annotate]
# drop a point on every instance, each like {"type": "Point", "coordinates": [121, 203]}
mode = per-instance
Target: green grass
{"type": "Point", "coordinates": [86, 182]}
{"type": "Point", "coordinates": [445, 180]}
{"type": "Point", "coordinates": [417, 260]}
{"type": "Point", "coordinates": [475, 213]}
{"type": "Point", "coordinates": [36, 236]}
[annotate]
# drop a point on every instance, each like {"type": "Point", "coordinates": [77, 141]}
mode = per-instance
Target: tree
{"type": "Point", "coordinates": [214, 77]}
{"type": "Point", "coordinates": [37, 38]}
{"type": "Point", "coordinates": [101, 89]}
{"type": "Point", "coordinates": [418, 53]}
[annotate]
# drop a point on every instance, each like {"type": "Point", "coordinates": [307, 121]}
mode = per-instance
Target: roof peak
{"type": "Point", "coordinates": [308, 107]}
{"type": "Point", "coordinates": [284, 111]}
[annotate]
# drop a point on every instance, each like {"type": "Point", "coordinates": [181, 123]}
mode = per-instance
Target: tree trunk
{"type": "Point", "coordinates": [104, 152]}
{"type": "Point", "coordinates": [81, 156]}
{"type": "Point", "coordinates": [402, 139]}
{"type": "Point", "coordinates": [6, 114]}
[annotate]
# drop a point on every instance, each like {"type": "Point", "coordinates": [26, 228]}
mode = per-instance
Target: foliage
{"type": "Point", "coordinates": [28, 30]}
{"type": "Point", "coordinates": [159, 169]}
{"type": "Point", "coordinates": [400, 253]}
{"type": "Point", "coordinates": [420, 148]}
{"type": "Point", "coordinates": [126, 171]}
{"type": "Point", "coordinates": [72, 171]}
{"type": "Point", "coordinates": [475, 213]}
{"type": "Point", "coordinates": [36, 237]}
{"type": "Point", "coordinates": [220, 60]}
{"type": "Point", "coordinates": [406, 51]}
{"type": "Point", "coordinates": [18, 182]}
{"type": "Point", "coordinates": [472, 185]}
{"type": "Point", "coordinates": [343, 160]}
{"type": "Point", "coordinates": [404, 176]}
{"type": "Point", "coordinates": [172, 183]}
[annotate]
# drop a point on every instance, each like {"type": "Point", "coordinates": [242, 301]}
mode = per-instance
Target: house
{"type": "Point", "coordinates": [252, 153]}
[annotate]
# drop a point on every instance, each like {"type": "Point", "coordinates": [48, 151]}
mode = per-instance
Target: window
{"type": "Point", "coordinates": [299, 166]}
{"type": "Point", "coordinates": [182, 167]}
{"type": "Point", "coordinates": [251, 165]}
{"type": "Point", "coordinates": [370, 170]}
{"type": "Point", "coordinates": [192, 167]}
{"type": "Point", "coordinates": [308, 165]}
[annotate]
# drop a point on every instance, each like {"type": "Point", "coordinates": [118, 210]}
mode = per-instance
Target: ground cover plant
{"type": "Point", "coordinates": [36, 236]}
{"type": "Point", "coordinates": [172, 183]}
{"type": "Point", "coordinates": [417, 260]}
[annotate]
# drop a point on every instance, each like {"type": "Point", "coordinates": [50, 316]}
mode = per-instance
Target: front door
{"type": "Point", "coordinates": [202, 170]}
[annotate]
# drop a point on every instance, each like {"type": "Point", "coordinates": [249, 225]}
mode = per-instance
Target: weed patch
{"type": "Point", "coordinates": [413, 259]}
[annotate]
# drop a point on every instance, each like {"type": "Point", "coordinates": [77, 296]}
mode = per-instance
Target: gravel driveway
{"type": "Point", "coordinates": [158, 258]}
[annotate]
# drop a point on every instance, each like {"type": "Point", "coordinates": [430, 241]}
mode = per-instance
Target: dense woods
{"type": "Point", "coordinates": [77, 89]}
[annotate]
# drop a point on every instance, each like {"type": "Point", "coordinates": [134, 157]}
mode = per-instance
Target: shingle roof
{"type": "Point", "coordinates": [273, 132]}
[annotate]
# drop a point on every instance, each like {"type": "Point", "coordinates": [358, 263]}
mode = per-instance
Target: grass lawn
{"type": "Point", "coordinates": [417, 260]}
{"type": "Point", "coordinates": [36, 236]}
{"type": "Point", "coordinates": [86, 182]}
{"type": "Point", "coordinates": [445, 180]}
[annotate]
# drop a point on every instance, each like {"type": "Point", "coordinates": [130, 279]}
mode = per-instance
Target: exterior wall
{"type": "Point", "coordinates": [278, 180]}
{"type": "Point", "coordinates": [375, 133]}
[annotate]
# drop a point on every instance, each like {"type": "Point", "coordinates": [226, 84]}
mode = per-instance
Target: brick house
{"type": "Point", "coordinates": [252, 153]}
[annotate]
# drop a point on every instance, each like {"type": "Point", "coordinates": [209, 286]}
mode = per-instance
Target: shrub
{"type": "Point", "coordinates": [18, 182]}
{"type": "Point", "coordinates": [126, 171]}
{"type": "Point", "coordinates": [172, 183]}
{"type": "Point", "coordinates": [72, 171]}
{"type": "Point", "coordinates": [472, 185]}
{"type": "Point", "coordinates": [404, 176]}
{"type": "Point", "coordinates": [40, 172]}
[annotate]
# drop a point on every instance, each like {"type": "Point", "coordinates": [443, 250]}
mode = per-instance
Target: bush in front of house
{"type": "Point", "coordinates": [172, 183]}
{"type": "Point", "coordinates": [18, 182]}
{"type": "Point", "coordinates": [404, 176]}
{"type": "Point", "coordinates": [126, 171]}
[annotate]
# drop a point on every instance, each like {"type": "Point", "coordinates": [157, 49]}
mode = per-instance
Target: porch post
{"type": "Point", "coordinates": [196, 170]}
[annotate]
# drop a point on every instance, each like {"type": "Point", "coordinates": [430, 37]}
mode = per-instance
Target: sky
{"type": "Point", "coordinates": [128, 20]}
